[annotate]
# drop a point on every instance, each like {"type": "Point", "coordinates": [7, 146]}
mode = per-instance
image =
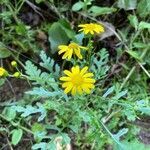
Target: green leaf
{"type": "Point", "coordinates": [134, 54]}
{"type": "Point", "coordinates": [29, 110]}
{"type": "Point", "coordinates": [60, 33]}
{"type": "Point", "coordinates": [50, 65]}
{"type": "Point", "coordinates": [2, 129]}
{"type": "Point", "coordinates": [57, 36]}
{"type": "Point", "coordinates": [97, 11]}
{"type": "Point", "coordinates": [66, 138]}
{"type": "Point", "coordinates": [9, 113]}
{"type": "Point", "coordinates": [121, 133]}
{"type": "Point", "coordinates": [143, 8]}
{"type": "Point", "coordinates": [140, 45]}
{"type": "Point", "coordinates": [127, 4]}
{"type": "Point", "coordinates": [133, 21]}
{"type": "Point", "coordinates": [39, 77]}
{"type": "Point", "coordinates": [67, 28]}
{"type": "Point", "coordinates": [38, 127]}
{"type": "Point", "coordinates": [99, 66]}
{"type": "Point", "coordinates": [144, 25]}
{"type": "Point", "coordinates": [41, 146]}
{"type": "Point", "coordinates": [145, 110]}
{"type": "Point", "coordinates": [120, 94]}
{"type": "Point", "coordinates": [16, 136]}
{"type": "Point", "coordinates": [135, 144]}
{"type": "Point", "coordinates": [41, 92]}
{"type": "Point", "coordinates": [2, 81]}
{"type": "Point", "coordinates": [39, 1]}
{"type": "Point", "coordinates": [4, 52]}
{"type": "Point", "coordinates": [78, 6]}
{"type": "Point", "coordinates": [109, 91]}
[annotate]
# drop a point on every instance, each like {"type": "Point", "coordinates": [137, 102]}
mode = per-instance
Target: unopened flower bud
{"type": "Point", "coordinates": [16, 74]}
{"type": "Point", "coordinates": [14, 63]}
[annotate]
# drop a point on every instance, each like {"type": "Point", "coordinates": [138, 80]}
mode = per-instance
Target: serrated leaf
{"type": "Point", "coordinates": [41, 92]}
{"type": "Point", "coordinates": [16, 136]}
{"type": "Point", "coordinates": [99, 66]}
{"type": "Point", "coordinates": [144, 25]}
{"type": "Point", "coordinates": [39, 77]}
{"type": "Point", "coordinates": [29, 110]}
{"type": "Point", "coordinates": [50, 65]}
{"type": "Point", "coordinates": [97, 11]}
{"type": "Point", "coordinates": [133, 21]}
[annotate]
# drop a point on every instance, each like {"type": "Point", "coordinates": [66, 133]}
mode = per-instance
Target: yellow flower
{"type": "Point", "coordinates": [78, 81]}
{"type": "Point", "coordinates": [3, 72]}
{"type": "Point", "coordinates": [91, 28]}
{"type": "Point", "coordinates": [71, 49]}
{"type": "Point", "coordinates": [14, 63]}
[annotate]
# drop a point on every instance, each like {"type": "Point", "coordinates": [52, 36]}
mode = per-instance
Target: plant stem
{"type": "Point", "coordinates": [132, 70]}
{"type": "Point", "coordinates": [15, 124]}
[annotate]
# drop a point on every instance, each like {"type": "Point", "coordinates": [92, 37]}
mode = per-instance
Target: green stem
{"type": "Point", "coordinates": [89, 50]}
{"type": "Point", "coordinates": [133, 69]}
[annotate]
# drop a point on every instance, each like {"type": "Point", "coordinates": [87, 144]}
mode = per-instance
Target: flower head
{"type": "Point", "coordinates": [78, 81]}
{"type": "Point", "coordinates": [14, 63]}
{"type": "Point", "coordinates": [3, 72]}
{"type": "Point", "coordinates": [71, 49]}
{"type": "Point", "coordinates": [91, 28]}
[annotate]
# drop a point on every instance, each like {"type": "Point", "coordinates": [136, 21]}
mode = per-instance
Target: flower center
{"type": "Point", "coordinates": [77, 79]}
{"type": "Point", "coordinates": [90, 27]}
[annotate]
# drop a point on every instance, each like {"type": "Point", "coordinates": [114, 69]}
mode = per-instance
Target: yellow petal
{"type": "Point", "coordinates": [92, 32]}
{"type": "Point", "coordinates": [65, 79]}
{"type": "Point", "coordinates": [70, 52]}
{"type": "Point", "coordinates": [82, 25]}
{"type": "Point", "coordinates": [66, 84]}
{"type": "Point", "coordinates": [68, 89]}
{"type": "Point", "coordinates": [83, 71]}
{"type": "Point", "coordinates": [79, 89]}
{"type": "Point", "coordinates": [86, 31]}
{"type": "Point", "coordinates": [87, 75]}
{"type": "Point", "coordinates": [62, 47]}
{"type": "Point", "coordinates": [90, 85]}
{"type": "Point", "coordinates": [61, 51]}
{"type": "Point", "coordinates": [65, 55]}
{"type": "Point", "coordinates": [68, 73]}
{"type": "Point", "coordinates": [86, 89]}
{"type": "Point", "coordinates": [73, 92]}
{"type": "Point", "coordinates": [75, 70]}
{"type": "Point", "coordinates": [89, 80]}
{"type": "Point", "coordinates": [77, 52]}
